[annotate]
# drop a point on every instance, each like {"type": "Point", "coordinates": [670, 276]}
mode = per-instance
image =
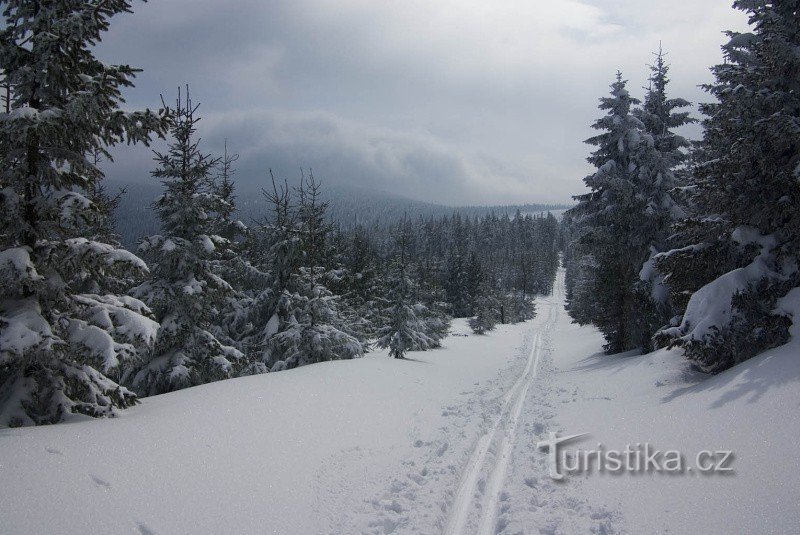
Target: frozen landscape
{"type": "Point", "coordinates": [444, 442]}
{"type": "Point", "coordinates": [423, 267]}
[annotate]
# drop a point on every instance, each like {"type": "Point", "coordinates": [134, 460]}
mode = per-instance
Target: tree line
{"type": "Point", "coordinates": [695, 245]}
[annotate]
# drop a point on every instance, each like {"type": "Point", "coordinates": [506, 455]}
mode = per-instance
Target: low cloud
{"type": "Point", "coordinates": [447, 101]}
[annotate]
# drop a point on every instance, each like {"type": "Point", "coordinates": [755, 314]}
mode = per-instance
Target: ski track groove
{"type": "Point", "coordinates": [505, 425]}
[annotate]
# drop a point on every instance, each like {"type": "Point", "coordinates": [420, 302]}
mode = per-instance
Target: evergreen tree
{"type": "Point", "coordinates": [101, 227]}
{"type": "Point", "coordinates": [185, 291]}
{"type": "Point", "coordinates": [408, 325]}
{"type": "Point", "coordinates": [487, 310]}
{"type": "Point", "coordinates": [456, 284]}
{"type": "Point", "coordinates": [274, 250]}
{"type": "Point", "coordinates": [359, 283]}
{"type": "Point", "coordinates": [59, 346]}
{"type": "Point", "coordinates": [737, 254]}
{"type": "Point", "coordinates": [518, 308]}
{"type": "Point", "coordinates": [607, 220]}
{"type": "Point", "coordinates": [306, 321]}
{"type": "Point", "coordinates": [225, 189]}
{"type": "Point", "coordinates": [661, 154]}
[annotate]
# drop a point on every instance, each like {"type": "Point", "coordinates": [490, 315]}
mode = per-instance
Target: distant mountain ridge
{"type": "Point", "coordinates": [348, 207]}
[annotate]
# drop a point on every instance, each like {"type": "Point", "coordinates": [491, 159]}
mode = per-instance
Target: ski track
{"type": "Point", "coordinates": [481, 473]}
{"type": "Point", "coordinates": [491, 502]}
{"type": "Point", "coordinates": [462, 505]}
{"type": "Point", "coordinates": [502, 437]}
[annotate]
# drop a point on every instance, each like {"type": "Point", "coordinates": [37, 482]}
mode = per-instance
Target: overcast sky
{"type": "Point", "coordinates": [448, 101]}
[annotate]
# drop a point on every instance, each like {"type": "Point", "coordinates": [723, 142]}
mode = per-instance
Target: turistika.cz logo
{"type": "Point", "coordinates": [636, 458]}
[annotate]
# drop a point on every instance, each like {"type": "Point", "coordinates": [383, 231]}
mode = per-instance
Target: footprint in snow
{"type": "Point", "coordinates": [100, 481]}
{"type": "Point", "coordinates": [53, 451]}
{"type": "Point", "coordinates": [144, 530]}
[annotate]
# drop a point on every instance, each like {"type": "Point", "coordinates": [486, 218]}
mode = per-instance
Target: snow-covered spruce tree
{"type": "Point", "coordinates": [184, 291]}
{"type": "Point", "coordinates": [463, 277]}
{"type": "Point", "coordinates": [455, 284]}
{"type": "Point", "coordinates": [607, 220]}
{"type": "Point", "coordinates": [309, 325]}
{"type": "Point", "coordinates": [361, 287]}
{"type": "Point", "coordinates": [232, 261]}
{"type": "Point", "coordinates": [224, 188]}
{"type": "Point", "coordinates": [273, 249]}
{"type": "Point", "coordinates": [660, 155]}
{"type": "Point", "coordinates": [487, 310]}
{"type": "Point", "coordinates": [408, 325]}
{"type": "Point", "coordinates": [59, 346]}
{"type": "Point", "coordinates": [737, 256]}
{"type": "Point", "coordinates": [518, 308]}
{"type": "Point", "coordinates": [102, 228]}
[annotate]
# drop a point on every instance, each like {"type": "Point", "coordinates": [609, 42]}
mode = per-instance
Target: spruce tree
{"type": "Point", "coordinates": [232, 261]}
{"type": "Point", "coordinates": [737, 255]}
{"type": "Point", "coordinates": [487, 310]}
{"type": "Point", "coordinates": [661, 154]}
{"type": "Point", "coordinates": [306, 322]}
{"type": "Point", "coordinates": [408, 325]}
{"type": "Point", "coordinates": [607, 218]}
{"type": "Point", "coordinates": [58, 346]}
{"type": "Point", "coordinates": [185, 291]}
{"type": "Point", "coordinates": [518, 308]}
{"type": "Point", "coordinates": [273, 249]}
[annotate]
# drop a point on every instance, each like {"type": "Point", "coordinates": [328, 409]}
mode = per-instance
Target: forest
{"type": "Point", "coordinates": [88, 326]}
{"type": "Point", "coordinates": [694, 244]}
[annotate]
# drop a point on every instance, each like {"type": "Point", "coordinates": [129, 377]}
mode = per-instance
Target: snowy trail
{"type": "Point", "coordinates": [462, 505]}
{"type": "Point", "coordinates": [501, 438]}
{"type": "Point", "coordinates": [444, 443]}
{"type": "Point", "coordinates": [497, 479]}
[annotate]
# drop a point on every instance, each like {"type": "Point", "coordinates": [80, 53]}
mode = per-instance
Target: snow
{"type": "Point", "coordinates": [443, 442]}
{"type": "Point", "coordinates": [109, 254]}
{"type": "Point", "coordinates": [749, 409]}
{"type": "Point", "coordinates": [16, 265]}
{"type": "Point", "coordinates": [206, 243]}
{"type": "Point", "coordinates": [25, 112]}
{"type": "Point", "coordinates": [24, 328]}
{"type": "Point", "coordinates": [789, 305]}
{"type": "Point", "coordinates": [745, 235]}
{"type": "Point", "coordinates": [710, 307]}
{"type": "Point", "coordinates": [272, 326]}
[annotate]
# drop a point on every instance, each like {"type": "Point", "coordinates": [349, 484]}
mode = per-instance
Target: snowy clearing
{"type": "Point", "coordinates": [443, 442]}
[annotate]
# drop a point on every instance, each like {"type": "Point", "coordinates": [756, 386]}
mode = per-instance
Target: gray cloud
{"type": "Point", "coordinates": [447, 101]}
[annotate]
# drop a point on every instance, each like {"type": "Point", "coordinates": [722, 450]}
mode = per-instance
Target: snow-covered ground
{"type": "Point", "coordinates": [445, 442]}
